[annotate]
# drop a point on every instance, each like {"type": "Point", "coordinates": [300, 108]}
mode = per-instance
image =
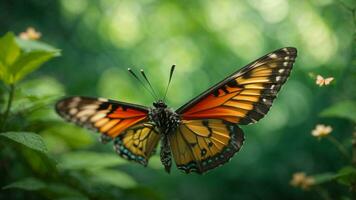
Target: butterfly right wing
{"type": "Point", "coordinates": [201, 145]}
{"type": "Point", "coordinates": [110, 118]}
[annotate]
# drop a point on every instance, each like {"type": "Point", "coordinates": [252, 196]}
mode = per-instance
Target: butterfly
{"type": "Point", "coordinates": [202, 134]}
{"type": "Point", "coordinates": [323, 81]}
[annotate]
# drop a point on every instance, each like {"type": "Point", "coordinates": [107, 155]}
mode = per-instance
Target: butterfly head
{"type": "Point", "coordinates": [159, 104]}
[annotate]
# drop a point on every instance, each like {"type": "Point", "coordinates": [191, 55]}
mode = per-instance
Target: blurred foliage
{"type": "Point", "coordinates": [42, 157]}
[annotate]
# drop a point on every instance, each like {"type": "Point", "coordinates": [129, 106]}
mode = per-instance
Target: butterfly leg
{"type": "Point", "coordinates": [166, 155]}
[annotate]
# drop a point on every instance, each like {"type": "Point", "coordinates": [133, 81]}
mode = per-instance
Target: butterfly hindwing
{"type": "Point", "coordinates": [247, 95]}
{"type": "Point", "coordinates": [108, 117]}
{"type": "Point", "coordinates": [137, 143]}
{"type": "Point", "coordinates": [200, 145]}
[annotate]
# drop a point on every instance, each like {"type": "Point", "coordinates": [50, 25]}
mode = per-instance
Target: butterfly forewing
{"type": "Point", "coordinates": [108, 117]}
{"type": "Point", "coordinates": [200, 145]}
{"type": "Point", "coordinates": [247, 95]}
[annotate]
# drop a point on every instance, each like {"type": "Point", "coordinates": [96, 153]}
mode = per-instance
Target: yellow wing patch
{"type": "Point", "coordinates": [137, 143]}
{"type": "Point", "coordinates": [200, 145]}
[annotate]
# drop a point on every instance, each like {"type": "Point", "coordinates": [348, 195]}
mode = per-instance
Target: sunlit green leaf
{"type": "Point", "coordinates": [30, 140]}
{"type": "Point", "coordinates": [113, 177]}
{"type": "Point", "coordinates": [89, 160]}
{"type": "Point", "coordinates": [4, 73]}
{"type": "Point", "coordinates": [34, 45]}
{"type": "Point", "coordinates": [344, 109]}
{"type": "Point", "coordinates": [9, 50]}
{"type": "Point", "coordinates": [29, 62]}
{"type": "Point", "coordinates": [27, 184]}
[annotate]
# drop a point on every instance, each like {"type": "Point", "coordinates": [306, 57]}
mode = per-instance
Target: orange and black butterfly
{"type": "Point", "coordinates": [200, 135]}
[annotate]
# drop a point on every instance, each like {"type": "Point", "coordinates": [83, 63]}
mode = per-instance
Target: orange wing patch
{"type": "Point", "coordinates": [200, 145]}
{"type": "Point", "coordinates": [247, 95]}
{"type": "Point", "coordinates": [108, 117]}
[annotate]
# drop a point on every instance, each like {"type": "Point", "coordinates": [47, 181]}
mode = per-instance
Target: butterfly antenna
{"type": "Point", "coordinates": [144, 76]}
{"type": "Point", "coordinates": [144, 86]}
{"type": "Point", "coordinates": [169, 81]}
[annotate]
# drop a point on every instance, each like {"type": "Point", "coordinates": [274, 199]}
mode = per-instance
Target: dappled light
{"type": "Point", "coordinates": [302, 147]}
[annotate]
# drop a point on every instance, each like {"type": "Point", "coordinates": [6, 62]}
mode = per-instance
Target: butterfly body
{"type": "Point", "coordinates": [165, 118]}
{"type": "Point", "coordinates": [200, 135]}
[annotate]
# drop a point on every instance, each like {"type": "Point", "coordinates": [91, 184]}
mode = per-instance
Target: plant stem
{"type": "Point", "coordinates": [340, 146]}
{"type": "Point", "coordinates": [8, 107]}
{"type": "Point", "coordinates": [354, 147]}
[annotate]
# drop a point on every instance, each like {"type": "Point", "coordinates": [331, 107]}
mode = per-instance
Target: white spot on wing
{"type": "Point", "coordinates": [75, 102]}
{"type": "Point", "coordinates": [83, 119]}
{"type": "Point", "coordinates": [273, 55]}
{"type": "Point", "coordinates": [76, 99]}
{"type": "Point", "coordinates": [286, 50]}
{"type": "Point", "coordinates": [102, 99]}
{"type": "Point", "coordinates": [85, 113]}
{"type": "Point", "coordinates": [97, 116]}
{"type": "Point", "coordinates": [281, 71]}
{"type": "Point", "coordinates": [73, 111]}
{"type": "Point", "coordinates": [90, 107]}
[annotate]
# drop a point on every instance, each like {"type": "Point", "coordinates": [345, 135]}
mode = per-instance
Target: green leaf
{"type": "Point", "coordinates": [347, 175]}
{"type": "Point", "coordinates": [34, 45]}
{"type": "Point", "coordinates": [9, 50]}
{"type": "Point", "coordinates": [40, 163]}
{"type": "Point", "coordinates": [41, 87]}
{"type": "Point", "coordinates": [60, 136]}
{"type": "Point", "coordinates": [61, 191]}
{"type": "Point", "coordinates": [35, 94]}
{"type": "Point", "coordinates": [344, 109]}
{"type": "Point", "coordinates": [89, 160]}
{"type": "Point", "coordinates": [155, 162]}
{"type": "Point", "coordinates": [28, 139]}
{"type": "Point", "coordinates": [4, 73]}
{"type": "Point", "coordinates": [30, 184]}
{"type": "Point", "coordinates": [113, 177]}
{"type": "Point", "coordinates": [325, 177]}
{"type": "Point", "coordinates": [29, 62]}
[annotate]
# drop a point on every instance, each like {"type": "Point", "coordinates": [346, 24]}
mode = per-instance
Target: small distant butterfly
{"type": "Point", "coordinates": [323, 81]}
{"type": "Point", "coordinates": [200, 135]}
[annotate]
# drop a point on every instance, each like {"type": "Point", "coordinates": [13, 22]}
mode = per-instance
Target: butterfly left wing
{"type": "Point", "coordinates": [137, 143]}
{"type": "Point", "coordinates": [108, 117]}
{"type": "Point", "coordinates": [201, 145]}
{"type": "Point", "coordinates": [245, 96]}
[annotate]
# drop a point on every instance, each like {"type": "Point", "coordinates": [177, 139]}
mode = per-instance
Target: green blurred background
{"type": "Point", "coordinates": [207, 40]}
